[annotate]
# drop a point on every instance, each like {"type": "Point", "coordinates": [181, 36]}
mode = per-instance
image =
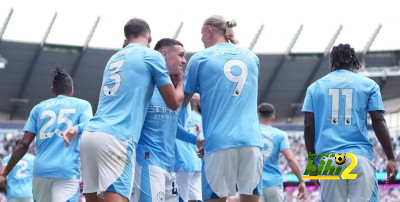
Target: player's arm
{"type": "Point", "coordinates": [382, 133]}
{"type": "Point", "coordinates": [184, 135]}
{"type": "Point", "coordinates": [171, 95]}
{"type": "Point", "coordinates": [309, 132]}
{"type": "Point", "coordinates": [20, 150]}
{"type": "Point", "coordinates": [309, 136]}
{"type": "Point", "coordinates": [186, 99]}
{"type": "Point", "coordinates": [296, 170]}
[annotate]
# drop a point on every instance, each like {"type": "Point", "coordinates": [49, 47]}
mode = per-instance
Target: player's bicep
{"type": "Point", "coordinates": [168, 94]}
{"type": "Point", "coordinates": [288, 153]}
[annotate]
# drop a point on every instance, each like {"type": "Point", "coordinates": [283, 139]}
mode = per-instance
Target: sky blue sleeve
{"type": "Point", "coordinates": [184, 135]}
{"type": "Point", "coordinates": [157, 66]}
{"type": "Point", "coordinates": [87, 112]}
{"type": "Point", "coordinates": [284, 142]}
{"type": "Point", "coordinates": [191, 75]}
{"type": "Point", "coordinates": [81, 126]}
{"type": "Point", "coordinates": [308, 104]}
{"type": "Point", "coordinates": [30, 124]}
{"type": "Point", "coordinates": [375, 100]}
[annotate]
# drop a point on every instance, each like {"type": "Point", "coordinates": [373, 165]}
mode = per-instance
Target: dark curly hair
{"type": "Point", "coordinates": [62, 81]}
{"type": "Point", "coordinates": [344, 57]}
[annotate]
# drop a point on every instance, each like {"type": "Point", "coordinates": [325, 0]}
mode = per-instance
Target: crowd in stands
{"type": "Point", "coordinates": [299, 150]}
{"type": "Point", "coordinates": [387, 193]}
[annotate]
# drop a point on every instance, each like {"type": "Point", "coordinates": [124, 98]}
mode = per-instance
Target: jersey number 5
{"type": "Point", "coordinates": [239, 79]}
{"type": "Point", "coordinates": [114, 68]}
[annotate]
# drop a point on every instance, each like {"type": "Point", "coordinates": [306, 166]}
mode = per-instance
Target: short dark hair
{"type": "Point", "coordinates": [62, 81]}
{"type": "Point", "coordinates": [167, 42]}
{"type": "Point", "coordinates": [136, 27]}
{"type": "Point", "coordinates": [266, 110]}
{"type": "Point", "coordinates": [344, 57]}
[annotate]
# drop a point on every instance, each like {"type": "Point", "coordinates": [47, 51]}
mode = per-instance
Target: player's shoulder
{"type": "Point", "coordinates": [198, 58]}
{"type": "Point", "coordinates": [355, 77]}
{"type": "Point", "coordinates": [199, 55]}
{"type": "Point", "coordinates": [79, 100]}
{"type": "Point", "coordinates": [44, 104]}
{"type": "Point", "coordinates": [366, 80]}
{"type": "Point", "coordinates": [152, 53]}
{"type": "Point", "coordinates": [319, 82]}
{"type": "Point", "coordinates": [279, 132]}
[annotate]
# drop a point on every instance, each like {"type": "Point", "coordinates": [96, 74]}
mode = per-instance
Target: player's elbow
{"type": "Point", "coordinates": [174, 105]}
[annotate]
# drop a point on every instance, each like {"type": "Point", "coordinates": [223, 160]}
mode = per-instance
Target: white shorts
{"type": "Point", "coordinates": [55, 189]}
{"type": "Point", "coordinates": [20, 200]}
{"type": "Point", "coordinates": [189, 185]}
{"type": "Point", "coordinates": [227, 169]}
{"type": "Point", "coordinates": [363, 188]}
{"type": "Point", "coordinates": [107, 164]}
{"type": "Point", "coordinates": [153, 183]}
{"type": "Point", "coordinates": [272, 194]}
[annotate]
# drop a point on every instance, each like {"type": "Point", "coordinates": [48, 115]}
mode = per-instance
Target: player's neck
{"type": "Point", "coordinates": [219, 39]}
{"type": "Point", "coordinates": [266, 122]}
{"type": "Point", "coordinates": [140, 40]}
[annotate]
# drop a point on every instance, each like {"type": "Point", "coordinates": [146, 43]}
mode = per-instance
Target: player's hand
{"type": "Point", "coordinates": [315, 182]}
{"type": "Point", "coordinates": [198, 128]}
{"type": "Point", "coordinates": [391, 172]}
{"type": "Point", "coordinates": [81, 186]}
{"type": "Point", "coordinates": [2, 179]}
{"type": "Point", "coordinates": [69, 135]}
{"type": "Point", "coordinates": [302, 190]}
{"type": "Point", "coordinates": [177, 79]}
{"type": "Point", "coordinates": [200, 147]}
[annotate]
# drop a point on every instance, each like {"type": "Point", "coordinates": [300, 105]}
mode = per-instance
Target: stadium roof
{"type": "Point", "coordinates": [283, 79]}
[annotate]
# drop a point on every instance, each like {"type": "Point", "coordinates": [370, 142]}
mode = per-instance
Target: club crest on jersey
{"type": "Point", "coordinates": [160, 196]}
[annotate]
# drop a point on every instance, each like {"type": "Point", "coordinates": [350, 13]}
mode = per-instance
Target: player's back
{"type": "Point", "coordinates": [157, 140]}
{"type": "Point", "coordinates": [341, 101]}
{"type": "Point", "coordinates": [227, 79]}
{"type": "Point", "coordinates": [19, 180]}
{"type": "Point", "coordinates": [48, 120]}
{"type": "Point", "coordinates": [274, 141]}
{"type": "Point", "coordinates": [128, 83]}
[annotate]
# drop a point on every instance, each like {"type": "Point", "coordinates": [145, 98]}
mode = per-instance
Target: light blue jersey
{"type": "Point", "coordinates": [156, 145]}
{"type": "Point", "coordinates": [226, 77]}
{"type": "Point", "coordinates": [48, 120]}
{"type": "Point", "coordinates": [340, 102]}
{"type": "Point", "coordinates": [275, 141]}
{"type": "Point", "coordinates": [128, 84]}
{"type": "Point", "coordinates": [19, 180]}
{"type": "Point", "coordinates": [186, 153]}
{"type": "Point", "coordinates": [157, 140]}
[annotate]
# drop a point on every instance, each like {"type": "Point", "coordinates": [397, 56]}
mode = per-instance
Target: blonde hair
{"type": "Point", "coordinates": [224, 26]}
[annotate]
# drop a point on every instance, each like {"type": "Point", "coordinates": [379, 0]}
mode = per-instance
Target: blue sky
{"type": "Point", "coordinates": [281, 20]}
